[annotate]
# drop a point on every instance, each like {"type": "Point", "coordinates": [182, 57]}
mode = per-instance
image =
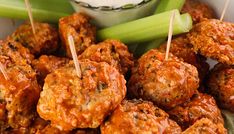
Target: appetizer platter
{"type": "Point", "coordinates": [116, 67]}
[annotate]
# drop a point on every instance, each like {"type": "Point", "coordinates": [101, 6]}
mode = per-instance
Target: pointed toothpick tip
{"type": "Point", "coordinates": [29, 9]}
{"type": "Point", "coordinates": [3, 71]}
{"type": "Point", "coordinates": [170, 33]}
{"type": "Point", "coordinates": [74, 56]}
{"type": "Point", "coordinates": [224, 10]}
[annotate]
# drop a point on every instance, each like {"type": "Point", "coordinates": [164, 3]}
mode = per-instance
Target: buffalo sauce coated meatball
{"type": "Point", "coordinates": [139, 117]}
{"type": "Point", "coordinates": [112, 52]}
{"type": "Point", "coordinates": [199, 11]}
{"type": "Point", "coordinates": [45, 40]}
{"type": "Point", "coordinates": [46, 65]}
{"type": "Point", "coordinates": [71, 102]}
{"type": "Point", "coordinates": [214, 39]}
{"type": "Point", "coordinates": [181, 48]}
{"type": "Point", "coordinates": [220, 84]}
{"type": "Point", "coordinates": [16, 51]}
{"type": "Point", "coordinates": [78, 26]}
{"type": "Point", "coordinates": [205, 126]}
{"type": "Point", "coordinates": [166, 83]}
{"type": "Point", "coordinates": [19, 93]}
{"type": "Point", "coordinates": [200, 106]}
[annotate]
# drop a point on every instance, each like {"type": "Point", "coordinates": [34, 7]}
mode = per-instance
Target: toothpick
{"type": "Point", "coordinates": [27, 4]}
{"type": "Point", "coordinates": [170, 33]}
{"type": "Point", "coordinates": [74, 55]}
{"type": "Point", "coordinates": [224, 9]}
{"type": "Point", "coordinates": [2, 69]}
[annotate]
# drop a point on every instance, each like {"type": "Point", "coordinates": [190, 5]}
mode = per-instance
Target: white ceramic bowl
{"type": "Point", "coordinates": [108, 16]}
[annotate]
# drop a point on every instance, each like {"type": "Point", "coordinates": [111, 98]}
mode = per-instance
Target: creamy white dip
{"type": "Point", "coordinates": [111, 3]}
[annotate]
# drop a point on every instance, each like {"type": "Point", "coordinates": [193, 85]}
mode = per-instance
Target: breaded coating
{"type": "Point", "coordinates": [198, 10]}
{"type": "Point", "coordinates": [220, 84]}
{"type": "Point", "coordinates": [166, 83]}
{"type": "Point", "coordinates": [112, 52]}
{"type": "Point", "coordinates": [45, 40]}
{"type": "Point", "coordinates": [19, 94]}
{"type": "Point", "coordinates": [18, 53]}
{"type": "Point", "coordinates": [200, 106]}
{"type": "Point", "coordinates": [205, 126]}
{"type": "Point", "coordinates": [46, 65]}
{"type": "Point", "coordinates": [70, 102]}
{"type": "Point", "coordinates": [78, 26]}
{"type": "Point", "coordinates": [214, 39]}
{"type": "Point", "coordinates": [181, 48]}
{"type": "Point", "coordinates": [139, 117]}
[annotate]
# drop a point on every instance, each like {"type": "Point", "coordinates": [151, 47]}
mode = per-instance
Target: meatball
{"type": "Point", "coordinates": [45, 40]}
{"type": "Point", "coordinates": [18, 53]}
{"type": "Point", "coordinates": [71, 102]}
{"type": "Point", "coordinates": [139, 117]}
{"type": "Point", "coordinates": [166, 83]}
{"type": "Point", "coordinates": [199, 11]}
{"type": "Point", "coordinates": [19, 94]}
{"type": "Point", "coordinates": [221, 85]}
{"type": "Point", "coordinates": [205, 126]}
{"type": "Point", "coordinates": [214, 39]}
{"type": "Point", "coordinates": [46, 65]}
{"type": "Point", "coordinates": [112, 52]}
{"type": "Point", "coordinates": [181, 48]}
{"type": "Point", "coordinates": [200, 106]}
{"type": "Point", "coordinates": [78, 26]}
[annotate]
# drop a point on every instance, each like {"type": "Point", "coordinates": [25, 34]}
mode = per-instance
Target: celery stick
{"type": "Point", "coordinates": [43, 10]}
{"type": "Point", "coordinates": [146, 29]}
{"type": "Point", "coordinates": [166, 5]}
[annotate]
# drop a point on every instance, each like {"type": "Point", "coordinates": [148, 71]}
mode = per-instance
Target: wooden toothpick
{"type": "Point", "coordinates": [170, 33]}
{"type": "Point", "coordinates": [2, 69]}
{"type": "Point", "coordinates": [29, 9]}
{"type": "Point", "coordinates": [224, 9]}
{"type": "Point", "coordinates": [74, 55]}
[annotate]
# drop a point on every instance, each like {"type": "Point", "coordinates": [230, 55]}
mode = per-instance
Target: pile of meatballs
{"type": "Point", "coordinates": [117, 93]}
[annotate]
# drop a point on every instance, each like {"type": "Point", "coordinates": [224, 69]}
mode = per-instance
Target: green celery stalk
{"type": "Point", "coordinates": [142, 48]}
{"type": "Point", "coordinates": [43, 10]}
{"type": "Point", "coordinates": [146, 29]}
{"type": "Point", "coordinates": [166, 5]}
{"type": "Point", "coordinates": [156, 43]}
